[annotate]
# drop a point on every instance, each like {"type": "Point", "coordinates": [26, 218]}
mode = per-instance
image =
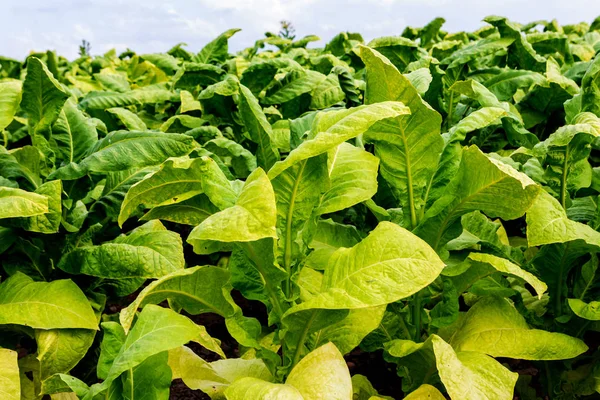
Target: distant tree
{"type": "Point", "coordinates": [287, 30]}
{"type": "Point", "coordinates": [85, 48]}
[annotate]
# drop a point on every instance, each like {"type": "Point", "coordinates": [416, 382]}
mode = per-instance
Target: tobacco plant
{"type": "Point", "coordinates": [429, 198]}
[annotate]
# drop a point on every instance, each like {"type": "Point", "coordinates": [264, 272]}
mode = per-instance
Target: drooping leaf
{"type": "Point", "coordinates": [213, 378]}
{"type": "Point", "coordinates": [157, 329]}
{"type": "Point", "coordinates": [493, 326]}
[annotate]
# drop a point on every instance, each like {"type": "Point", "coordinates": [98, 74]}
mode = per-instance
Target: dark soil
{"type": "Point", "coordinates": [380, 373]}
{"type": "Point", "coordinates": [181, 392]}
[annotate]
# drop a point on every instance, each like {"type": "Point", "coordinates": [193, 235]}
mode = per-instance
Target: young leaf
{"type": "Point", "coordinates": [215, 50]}
{"type": "Point", "coordinates": [589, 311]}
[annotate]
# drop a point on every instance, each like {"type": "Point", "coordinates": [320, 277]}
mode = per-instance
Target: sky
{"type": "Point", "coordinates": [149, 26]}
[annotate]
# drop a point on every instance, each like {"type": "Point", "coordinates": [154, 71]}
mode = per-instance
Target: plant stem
{"type": "Point", "coordinates": [302, 338]}
{"type": "Point", "coordinates": [450, 110]}
{"type": "Point", "coordinates": [563, 185]}
{"type": "Point", "coordinates": [417, 316]}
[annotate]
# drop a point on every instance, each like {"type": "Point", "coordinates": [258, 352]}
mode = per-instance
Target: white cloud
{"type": "Point", "coordinates": [156, 25]}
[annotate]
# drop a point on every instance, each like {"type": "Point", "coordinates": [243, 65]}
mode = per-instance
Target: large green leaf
{"type": "Point", "coordinates": [330, 236]}
{"type": "Point", "coordinates": [297, 192]}
{"type": "Point", "coordinates": [477, 49]}
{"type": "Point", "coordinates": [408, 146]}
{"type": "Point", "coordinates": [188, 212]}
{"type": "Point", "coordinates": [348, 333]}
{"type": "Point", "coordinates": [42, 305]}
{"type": "Point", "coordinates": [131, 121]}
{"type": "Point", "coordinates": [102, 100]}
{"type": "Point", "coordinates": [196, 290]}
{"type": "Point", "coordinates": [507, 267]}
{"type": "Point", "coordinates": [322, 374]}
{"type": "Point", "coordinates": [292, 85]}
{"type": "Point", "coordinates": [20, 203]}
{"type": "Point", "coordinates": [333, 128]}
{"type": "Point", "coordinates": [379, 270]}
{"type": "Point", "coordinates": [59, 350]}
{"type": "Point", "coordinates": [122, 150]}
{"type": "Point", "coordinates": [10, 387]}
{"type": "Point", "coordinates": [253, 217]}
{"type": "Point", "coordinates": [495, 327]}
{"type": "Point", "coordinates": [150, 251]}
{"type": "Point", "coordinates": [150, 379]}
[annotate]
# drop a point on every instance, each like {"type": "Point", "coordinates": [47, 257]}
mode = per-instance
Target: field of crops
{"type": "Point", "coordinates": [416, 217]}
